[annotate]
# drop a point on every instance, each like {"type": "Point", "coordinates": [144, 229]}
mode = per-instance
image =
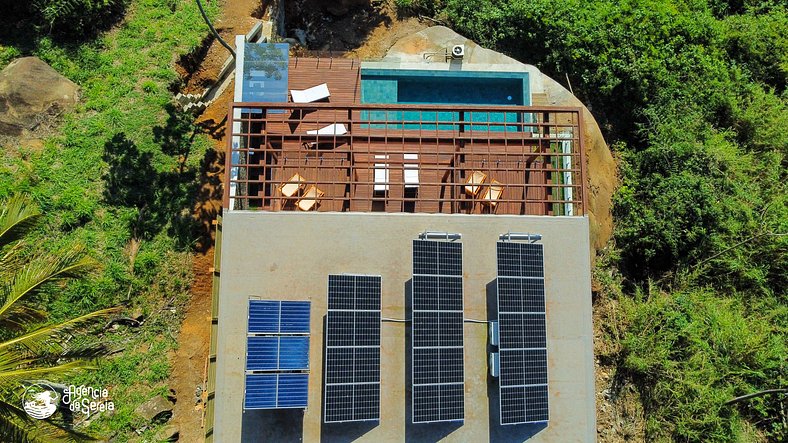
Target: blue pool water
{"type": "Point", "coordinates": [445, 87]}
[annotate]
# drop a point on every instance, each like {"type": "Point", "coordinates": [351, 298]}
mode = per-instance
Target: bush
{"type": "Point", "coordinates": [75, 17]}
{"type": "Point", "coordinates": [698, 350]}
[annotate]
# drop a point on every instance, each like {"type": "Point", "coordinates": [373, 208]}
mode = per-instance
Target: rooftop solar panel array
{"type": "Point", "coordinates": [352, 372]}
{"type": "Point", "coordinates": [523, 334]}
{"type": "Point", "coordinates": [437, 332]}
{"type": "Point", "coordinates": [277, 354]}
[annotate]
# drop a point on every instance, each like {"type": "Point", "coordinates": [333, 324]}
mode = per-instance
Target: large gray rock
{"type": "Point", "coordinates": [602, 171]}
{"type": "Point", "coordinates": [31, 92]}
{"type": "Point", "coordinates": [157, 409]}
{"type": "Point", "coordinates": [168, 433]}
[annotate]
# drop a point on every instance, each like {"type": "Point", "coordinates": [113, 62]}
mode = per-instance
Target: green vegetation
{"type": "Point", "coordinates": [72, 18]}
{"type": "Point", "coordinates": [692, 96]}
{"type": "Point", "coordinates": [30, 349]}
{"type": "Point", "coordinates": [119, 177]}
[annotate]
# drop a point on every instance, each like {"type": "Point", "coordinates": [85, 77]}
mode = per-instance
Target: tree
{"type": "Point", "coordinates": [29, 348]}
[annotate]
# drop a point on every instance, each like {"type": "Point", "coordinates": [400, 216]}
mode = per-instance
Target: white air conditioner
{"type": "Point", "coordinates": [458, 51]}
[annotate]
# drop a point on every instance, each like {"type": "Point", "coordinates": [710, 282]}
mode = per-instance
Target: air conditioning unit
{"type": "Point", "coordinates": [458, 51]}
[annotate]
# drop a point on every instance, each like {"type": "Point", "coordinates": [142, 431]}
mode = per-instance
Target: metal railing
{"type": "Point", "coordinates": [406, 158]}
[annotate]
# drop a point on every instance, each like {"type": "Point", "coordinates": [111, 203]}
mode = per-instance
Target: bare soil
{"type": "Point", "coordinates": [198, 71]}
{"type": "Point", "coordinates": [620, 415]}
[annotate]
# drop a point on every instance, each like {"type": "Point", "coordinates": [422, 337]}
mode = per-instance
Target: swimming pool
{"type": "Point", "coordinates": [403, 86]}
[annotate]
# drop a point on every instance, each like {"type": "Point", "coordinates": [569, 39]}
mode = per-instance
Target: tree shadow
{"type": "Point", "coordinates": [332, 24]}
{"type": "Point", "coordinates": [164, 200]}
{"type": "Point", "coordinates": [176, 137]}
{"type": "Point", "coordinates": [208, 201]}
{"type": "Point", "coordinates": [22, 27]}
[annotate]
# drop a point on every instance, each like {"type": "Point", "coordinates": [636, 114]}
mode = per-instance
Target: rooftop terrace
{"type": "Point", "coordinates": [395, 157]}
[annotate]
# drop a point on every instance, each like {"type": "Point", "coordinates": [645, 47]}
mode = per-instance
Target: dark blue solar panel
{"type": "Point", "coordinates": [263, 316]}
{"type": "Point", "coordinates": [295, 317]}
{"type": "Point", "coordinates": [437, 258]}
{"type": "Point", "coordinates": [520, 331]}
{"type": "Point", "coordinates": [272, 317]}
{"type": "Point", "coordinates": [520, 259]}
{"type": "Point", "coordinates": [437, 332]}
{"type": "Point", "coordinates": [522, 367]}
{"type": "Point", "coordinates": [294, 353]}
{"type": "Point", "coordinates": [352, 354]}
{"type": "Point", "coordinates": [523, 333]}
{"type": "Point", "coordinates": [517, 294]}
{"type": "Point", "coordinates": [260, 391]}
{"type": "Point", "coordinates": [293, 389]}
{"type": "Point", "coordinates": [276, 391]}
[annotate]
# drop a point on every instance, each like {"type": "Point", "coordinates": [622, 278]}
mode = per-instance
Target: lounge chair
{"type": "Point", "coordinates": [310, 95]}
{"type": "Point", "coordinates": [310, 198]}
{"type": "Point", "coordinates": [492, 193]}
{"type": "Point", "coordinates": [335, 129]}
{"type": "Point", "coordinates": [474, 183]}
{"type": "Point", "coordinates": [291, 187]}
{"type": "Point", "coordinates": [381, 174]}
{"type": "Point", "coordinates": [411, 171]}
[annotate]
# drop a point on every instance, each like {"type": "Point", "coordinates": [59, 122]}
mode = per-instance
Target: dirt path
{"type": "Point", "coordinates": [199, 70]}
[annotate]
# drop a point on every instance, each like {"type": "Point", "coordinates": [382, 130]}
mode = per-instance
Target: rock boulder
{"type": "Point", "coordinates": [158, 409]}
{"type": "Point", "coordinates": [30, 92]}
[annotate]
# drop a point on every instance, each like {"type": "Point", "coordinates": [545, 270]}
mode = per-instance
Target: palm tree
{"type": "Point", "coordinates": [28, 350]}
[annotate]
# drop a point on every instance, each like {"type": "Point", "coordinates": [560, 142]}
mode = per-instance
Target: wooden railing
{"type": "Point", "coordinates": [406, 158]}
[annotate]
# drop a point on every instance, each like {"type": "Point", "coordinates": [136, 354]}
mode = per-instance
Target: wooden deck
{"type": "Point", "coordinates": [342, 75]}
{"type": "Point", "coordinates": [394, 159]}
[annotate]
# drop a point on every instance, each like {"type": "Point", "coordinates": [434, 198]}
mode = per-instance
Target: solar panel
{"type": "Point", "coordinates": [437, 332]}
{"type": "Point", "coordinates": [277, 347]}
{"type": "Point", "coordinates": [276, 391]}
{"type": "Point", "coordinates": [273, 316]}
{"type": "Point", "coordinates": [522, 333]}
{"type": "Point", "coordinates": [352, 372]}
{"type": "Point", "coordinates": [272, 353]}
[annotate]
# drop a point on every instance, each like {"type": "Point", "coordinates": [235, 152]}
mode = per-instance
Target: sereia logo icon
{"type": "Point", "coordinates": [40, 400]}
